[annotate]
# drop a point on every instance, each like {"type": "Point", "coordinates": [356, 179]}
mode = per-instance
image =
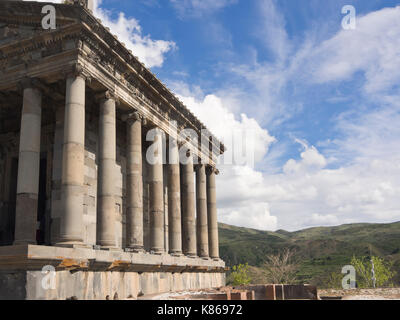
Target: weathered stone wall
{"type": "Point", "coordinates": [88, 285]}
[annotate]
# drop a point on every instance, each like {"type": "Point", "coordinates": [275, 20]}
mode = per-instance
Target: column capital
{"type": "Point", "coordinates": [200, 164]}
{"type": "Point", "coordinates": [134, 116]}
{"type": "Point", "coordinates": [30, 83]}
{"type": "Point", "coordinates": [77, 70]}
{"type": "Point", "coordinates": [106, 95]}
{"type": "Point", "coordinates": [210, 170]}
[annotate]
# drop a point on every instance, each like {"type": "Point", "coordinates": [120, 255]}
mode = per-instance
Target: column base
{"type": "Point", "coordinates": [111, 249]}
{"type": "Point", "coordinates": [23, 242]}
{"type": "Point", "coordinates": [73, 244]}
{"type": "Point", "coordinates": [176, 254]}
{"type": "Point", "coordinates": [192, 256]}
{"type": "Point", "coordinates": [135, 250]}
{"type": "Point", "coordinates": [158, 252]}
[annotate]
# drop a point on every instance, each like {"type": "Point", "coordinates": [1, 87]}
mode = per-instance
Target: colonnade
{"type": "Point", "coordinates": [192, 210]}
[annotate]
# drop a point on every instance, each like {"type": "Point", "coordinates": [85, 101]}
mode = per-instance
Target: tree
{"type": "Point", "coordinates": [384, 273]}
{"type": "Point", "coordinates": [281, 268]}
{"type": "Point", "coordinates": [240, 275]}
{"type": "Point", "coordinates": [334, 281]}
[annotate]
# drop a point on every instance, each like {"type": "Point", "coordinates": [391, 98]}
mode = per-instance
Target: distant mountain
{"type": "Point", "coordinates": [321, 250]}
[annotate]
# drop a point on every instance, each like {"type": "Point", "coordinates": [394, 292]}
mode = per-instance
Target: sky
{"type": "Point", "coordinates": [322, 102]}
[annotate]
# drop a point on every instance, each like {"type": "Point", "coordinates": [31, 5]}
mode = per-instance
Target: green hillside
{"type": "Point", "coordinates": [320, 250]}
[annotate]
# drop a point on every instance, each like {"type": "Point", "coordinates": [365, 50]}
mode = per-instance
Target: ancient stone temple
{"type": "Point", "coordinates": [86, 211]}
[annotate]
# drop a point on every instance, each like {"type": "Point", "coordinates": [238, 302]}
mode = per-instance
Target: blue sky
{"type": "Point", "coordinates": [323, 102]}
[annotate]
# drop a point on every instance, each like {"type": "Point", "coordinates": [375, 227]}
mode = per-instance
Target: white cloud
{"type": "Point", "coordinates": [241, 192]}
{"type": "Point", "coordinates": [372, 48]}
{"type": "Point", "coordinates": [311, 160]}
{"type": "Point", "coordinates": [318, 220]}
{"type": "Point", "coordinates": [150, 52]}
{"type": "Point", "coordinates": [274, 34]}
{"type": "Point", "coordinates": [260, 217]}
{"type": "Point", "coordinates": [356, 176]}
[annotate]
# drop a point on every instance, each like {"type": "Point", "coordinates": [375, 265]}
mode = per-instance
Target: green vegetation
{"type": "Point", "coordinates": [240, 275]}
{"type": "Point", "coordinates": [320, 252]}
{"type": "Point", "coordinates": [384, 272]}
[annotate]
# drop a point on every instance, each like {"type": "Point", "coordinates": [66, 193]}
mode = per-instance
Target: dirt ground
{"type": "Point", "coordinates": [363, 294]}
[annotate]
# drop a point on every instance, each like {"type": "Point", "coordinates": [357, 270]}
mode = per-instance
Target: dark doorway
{"type": "Point", "coordinates": [42, 197]}
{"type": "Point", "coordinates": [8, 209]}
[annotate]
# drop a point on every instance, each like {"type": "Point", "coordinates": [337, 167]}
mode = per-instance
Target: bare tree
{"type": "Point", "coordinates": [281, 268]}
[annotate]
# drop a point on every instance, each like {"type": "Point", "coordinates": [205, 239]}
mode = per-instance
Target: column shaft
{"type": "Point", "coordinates": [134, 186]}
{"type": "Point", "coordinates": [201, 201]}
{"type": "Point", "coordinates": [28, 168]}
{"type": "Point", "coordinates": [212, 214]}
{"type": "Point", "coordinates": [73, 163]}
{"type": "Point", "coordinates": [188, 209]}
{"type": "Point", "coordinates": [156, 195]}
{"type": "Point", "coordinates": [174, 200]}
{"type": "Point", "coordinates": [106, 183]}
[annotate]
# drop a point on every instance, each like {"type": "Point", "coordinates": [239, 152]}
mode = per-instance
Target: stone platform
{"type": "Point", "coordinates": [88, 274]}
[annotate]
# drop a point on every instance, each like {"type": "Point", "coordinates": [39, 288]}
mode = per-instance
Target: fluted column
{"type": "Point", "coordinates": [174, 200]}
{"type": "Point", "coordinates": [188, 208]}
{"type": "Point", "coordinates": [155, 158]}
{"type": "Point", "coordinates": [73, 162]}
{"type": "Point", "coordinates": [106, 182]}
{"type": "Point", "coordinates": [28, 166]}
{"type": "Point", "coordinates": [213, 240]}
{"type": "Point", "coordinates": [201, 205]}
{"type": "Point", "coordinates": [134, 184]}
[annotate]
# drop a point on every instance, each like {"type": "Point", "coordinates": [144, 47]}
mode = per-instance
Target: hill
{"type": "Point", "coordinates": [321, 250]}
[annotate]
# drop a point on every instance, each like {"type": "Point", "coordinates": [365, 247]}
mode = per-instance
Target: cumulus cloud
{"type": "Point", "coordinates": [260, 217]}
{"type": "Point", "coordinates": [241, 191]}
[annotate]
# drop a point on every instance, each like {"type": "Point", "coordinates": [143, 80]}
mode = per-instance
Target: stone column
{"type": "Point", "coordinates": [201, 205]}
{"type": "Point", "coordinates": [57, 174]}
{"type": "Point", "coordinates": [28, 166]}
{"type": "Point", "coordinates": [188, 208]}
{"type": "Point", "coordinates": [174, 200]}
{"type": "Point", "coordinates": [134, 184]}
{"type": "Point", "coordinates": [106, 182]}
{"type": "Point", "coordinates": [212, 213]}
{"type": "Point", "coordinates": [155, 159]}
{"type": "Point", "coordinates": [73, 162]}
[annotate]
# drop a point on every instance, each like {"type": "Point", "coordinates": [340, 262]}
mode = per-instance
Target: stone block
{"type": "Point", "coordinates": [239, 296]}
